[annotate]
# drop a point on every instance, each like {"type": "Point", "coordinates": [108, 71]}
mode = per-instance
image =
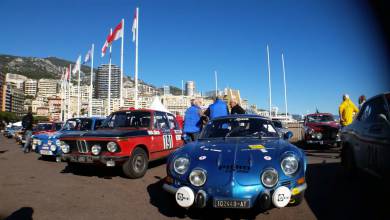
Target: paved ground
{"type": "Point", "coordinates": [31, 187]}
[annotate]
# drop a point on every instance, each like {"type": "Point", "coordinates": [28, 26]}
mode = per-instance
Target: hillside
{"type": "Point", "coordinates": [36, 68]}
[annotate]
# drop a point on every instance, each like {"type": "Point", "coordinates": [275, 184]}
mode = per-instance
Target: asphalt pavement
{"type": "Point", "coordinates": [33, 188]}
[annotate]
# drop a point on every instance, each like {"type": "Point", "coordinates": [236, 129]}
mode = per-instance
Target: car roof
{"type": "Point", "coordinates": [142, 110]}
{"type": "Point", "coordinates": [314, 114]}
{"type": "Point", "coordinates": [243, 116]}
{"type": "Point", "coordinates": [376, 96]}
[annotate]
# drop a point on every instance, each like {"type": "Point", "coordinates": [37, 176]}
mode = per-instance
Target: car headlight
{"type": "Point", "coordinates": [270, 177]}
{"type": "Point", "coordinates": [65, 147]}
{"type": "Point", "coordinates": [181, 164]}
{"type": "Point", "coordinates": [112, 147]}
{"type": "Point", "coordinates": [58, 142]}
{"type": "Point", "coordinates": [289, 165]}
{"type": "Point", "coordinates": [319, 135]}
{"type": "Point", "coordinates": [35, 141]}
{"type": "Point", "coordinates": [96, 149]}
{"type": "Point", "coordinates": [53, 147]}
{"type": "Point", "coordinates": [197, 177]}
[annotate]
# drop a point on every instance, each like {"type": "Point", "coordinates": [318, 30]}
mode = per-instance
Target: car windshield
{"type": "Point", "coordinates": [320, 118]}
{"type": "Point", "coordinates": [277, 123]}
{"type": "Point", "coordinates": [58, 126]}
{"type": "Point", "coordinates": [239, 127]}
{"type": "Point", "coordinates": [78, 124]}
{"type": "Point", "coordinates": [131, 119]}
{"type": "Point", "coordinates": [43, 127]}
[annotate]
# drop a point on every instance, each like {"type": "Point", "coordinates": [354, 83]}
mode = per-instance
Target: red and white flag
{"type": "Point", "coordinates": [134, 28]}
{"type": "Point", "coordinates": [115, 35]}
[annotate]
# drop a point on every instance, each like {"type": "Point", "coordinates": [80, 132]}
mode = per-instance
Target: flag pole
{"type": "Point", "coordinates": [136, 63]}
{"type": "Point", "coordinates": [109, 80]}
{"type": "Point", "coordinates": [91, 83]}
{"type": "Point", "coordinates": [121, 81]}
{"type": "Point", "coordinates": [285, 87]}
{"type": "Point", "coordinates": [216, 84]}
{"type": "Point", "coordinates": [269, 83]}
{"type": "Point", "coordinates": [69, 85]}
{"type": "Point", "coordinates": [78, 90]}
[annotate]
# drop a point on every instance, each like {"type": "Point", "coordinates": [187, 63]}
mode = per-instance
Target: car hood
{"type": "Point", "coordinates": [112, 133]}
{"type": "Point", "coordinates": [318, 126]}
{"type": "Point", "coordinates": [237, 160]}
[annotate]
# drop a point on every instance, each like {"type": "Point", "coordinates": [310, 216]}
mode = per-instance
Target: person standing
{"type": "Point", "coordinates": [362, 100]}
{"type": "Point", "coordinates": [27, 124]}
{"type": "Point", "coordinates": [347, 110]}
{"type": "Point", "coordinates": [192, 121]}
{"type": "Point", "coordinates": [235, 107]}
{"type": "Point", "coordinates": [217, 109]}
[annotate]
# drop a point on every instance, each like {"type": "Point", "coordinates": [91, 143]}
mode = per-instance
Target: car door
{"type": "Point", "coordinates": [376, 134]}
{"type": "Point", "coordinates": [175, 131]}
{"type": "Point", "coordinates": [163, 140]}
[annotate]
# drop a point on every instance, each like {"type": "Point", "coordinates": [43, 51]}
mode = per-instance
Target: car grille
{"type": "Point", "coordinates": [238, 168]}
{"type": "Point", "coordinates": [80, 146]}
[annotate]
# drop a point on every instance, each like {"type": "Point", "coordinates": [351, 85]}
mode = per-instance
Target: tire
{"type": "Point", "coordinates": [296, 200]}
{"type": "Point", "coordinates": [137, 164]}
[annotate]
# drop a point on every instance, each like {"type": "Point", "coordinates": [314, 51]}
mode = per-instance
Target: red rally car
{"type": "Point", "coordinates": [129, 139]}
{"type": "Point", "coordinates": [321, 129]}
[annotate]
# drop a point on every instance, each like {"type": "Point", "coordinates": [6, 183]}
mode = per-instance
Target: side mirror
{"type": "Point", "coordinates": [288, 135]}
{"type": "Point", "coordinates": [383, 118]}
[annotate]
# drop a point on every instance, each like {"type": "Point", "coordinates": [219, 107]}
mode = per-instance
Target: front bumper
{"type": "Point", "coordinates": [262, 199]}
{"type": "Point", "coordinates": [322, 142]}
{"type": "Point", "coordinates": [92, 159]}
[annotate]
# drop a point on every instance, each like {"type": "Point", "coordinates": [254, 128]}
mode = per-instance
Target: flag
{"type": "Point", "coordinates": [134, 28]}
{"type": "Point", "coordinates": [88, 56]}
{"type": "Point", "coordinates": [67, 73]}
{"type": "Point", "coordinates": [106, 44]}
{"type": "Point", "coordinates": [77, 65]}
{"type": "Point", "coordinates": [115, 35]}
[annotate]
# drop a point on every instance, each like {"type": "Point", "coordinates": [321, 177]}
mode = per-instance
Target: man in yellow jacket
{"type": "Point", "coordinates": [347, 110]}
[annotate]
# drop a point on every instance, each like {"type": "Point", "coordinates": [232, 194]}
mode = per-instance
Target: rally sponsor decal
{"type": "Point", "coordinates": [202, 157]}
{"type": "Point", "coordinates": [267, 158]}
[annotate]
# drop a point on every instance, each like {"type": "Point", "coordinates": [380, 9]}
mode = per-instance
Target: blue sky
{"type": "Point", "coordinates": [331, 47]}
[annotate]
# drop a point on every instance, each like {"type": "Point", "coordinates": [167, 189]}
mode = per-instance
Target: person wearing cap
{"type": "Point", "coordinates": [235, 107]}
{"type": "Point", "coordinates": [347, 110]}
{"type": "Point", "coordinates": [362, 100]}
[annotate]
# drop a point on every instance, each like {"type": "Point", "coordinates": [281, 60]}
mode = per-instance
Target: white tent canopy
{"type": "Point", "coordinates": [157, 105]}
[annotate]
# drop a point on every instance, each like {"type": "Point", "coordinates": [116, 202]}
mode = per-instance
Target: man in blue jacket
{"type": "Point", "coordinates": [217, 109]}
{"type": "Point", "coordinates": [192, 121]}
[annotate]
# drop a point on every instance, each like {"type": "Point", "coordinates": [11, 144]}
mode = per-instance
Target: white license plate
{"type": "Point", "coordinates": [45, 152]}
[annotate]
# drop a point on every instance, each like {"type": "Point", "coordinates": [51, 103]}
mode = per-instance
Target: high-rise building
{"type": "Point", "coordinates": [54, 104]}
{"type": "Point", "coordinates": [167, 90]}
{"type": "Point", "coordinates": [47, 87]}
{"type": "Point", "coordinates": [190, 88]}
{"type": "Point", "coordinates": [14, 99]}
{"type": "Point", "coordinates": [101, 88]}
{"type": "Point", "coordinates": [16, 80]}
{"type": "Point", "coordinates": [2, 82]}
{"type": "Point", "coordinates": [30, 87]}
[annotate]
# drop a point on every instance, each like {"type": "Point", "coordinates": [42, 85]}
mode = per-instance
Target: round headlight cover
{"type": "Point", "coordinates": [96, 149]}
{"type": "Point", "coordinates": [181, 164]}
{"type": "Point", "coordinates": [198, 177]}
{"type": "Point", "coordinates": [53, 147]}
{"type": "Point", "coordinates": [65, 147]}
{"type": "Point", "coordinates": [112, 147]}
{"type": "Point", "coordinates": [319, 135]}
{"type": "Point", "coordinates": [270, 177]}
{"type": "Point", "coordinates": [289, 165]}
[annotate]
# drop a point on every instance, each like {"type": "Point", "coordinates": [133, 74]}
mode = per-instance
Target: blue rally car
{"type": "Point", "coordinates": [48, 143]}
{"type": "Point", "coordinates": [239, 161]}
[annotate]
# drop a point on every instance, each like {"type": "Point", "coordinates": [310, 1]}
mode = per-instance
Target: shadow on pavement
{"type": "Point", "coordinates": [24, 213]}
{"type": "Point", "coordinates": [167, 206]}
{"type": "Point", "coordinates": [101, 171]}
{"type": "Point", "coordinates": [331, 195]}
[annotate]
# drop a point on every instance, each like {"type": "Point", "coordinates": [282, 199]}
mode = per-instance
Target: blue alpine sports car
{"type": "Point", "coordinates": [47, 144]}
{"type": "Point", "coordinates": [239, 161]}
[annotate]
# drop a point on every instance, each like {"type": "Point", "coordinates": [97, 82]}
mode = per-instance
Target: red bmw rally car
{"type": "Point", "coordinates": [322, 129]}
{"type": "Point", "coordinates": [127, 138]}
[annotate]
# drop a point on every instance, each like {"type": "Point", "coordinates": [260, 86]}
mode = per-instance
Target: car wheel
{"type": "Point", "coordinates": [296, 200]}
{"type": "Point", "coordinates": [137, 164]}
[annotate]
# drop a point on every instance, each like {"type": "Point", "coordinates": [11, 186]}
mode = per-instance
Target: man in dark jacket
{"type": "Point", "coordinates": [27, 123]}
{"type": "Point", "coordinates": [217, 109]}
{"type": "Point", "coordinates": [235, 107]}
